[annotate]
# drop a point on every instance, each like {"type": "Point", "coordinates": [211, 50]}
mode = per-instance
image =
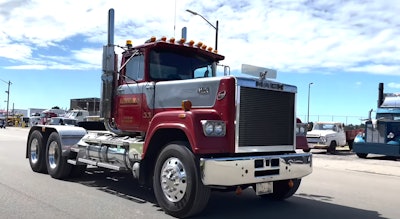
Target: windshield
{"type": "Point", "coordinates": [322, 126]}
{"type": "Point", "coordinates": [165, 65]}
{"type": "Point", "coordinates": [388, 116]}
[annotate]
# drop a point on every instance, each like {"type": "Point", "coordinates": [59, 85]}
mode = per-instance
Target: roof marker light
{"type": "Point", "coordinates": [129, 43]}
{"type": "Point", "coordinates": [153, 39]}
{"type": "Point", "coordinates": [164, 38]}
{"type": "Point", "coordinates": [191, 43]}
{"type": "Point", "coordinates": [182, 41]}
{"type": "Point", "coordinates": [209, 49]}
{"type": "Point", "coordinates": [199, 44]}
{"type": "Point", "coordinates": [204, 46]}
{"type": "Point", "coordinates": [172, 40]}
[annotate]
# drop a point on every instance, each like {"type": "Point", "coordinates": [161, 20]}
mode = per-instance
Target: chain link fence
{"type": "Point", "coordinates": [347, 120]}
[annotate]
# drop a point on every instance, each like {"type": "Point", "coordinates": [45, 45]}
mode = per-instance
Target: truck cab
{"type": "Point", "coordinates": [382, 134]}
{"type": "Point", "coordinates": [327, 135]}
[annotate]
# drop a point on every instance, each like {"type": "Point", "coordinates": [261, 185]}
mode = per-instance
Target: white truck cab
{"type": "Point", "coordinates": [327, 135]}
{"type": "Point", "coordinates": [79, 115]}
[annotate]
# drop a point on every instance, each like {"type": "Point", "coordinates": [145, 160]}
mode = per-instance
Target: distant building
{"type": "Point", "coordinates": [90, 104]}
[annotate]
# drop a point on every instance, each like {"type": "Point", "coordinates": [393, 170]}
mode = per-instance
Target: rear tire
{"type": "Point", "coordinates": [57, 165]}
{"type": "Point", "coordinates": [177, 184]}
{"type": "Point", "coordinates": [37, 152]}
{"type": "Point", "coordinates": [350, 143]}
{"type": "Point", "coordinates": [282, 190]}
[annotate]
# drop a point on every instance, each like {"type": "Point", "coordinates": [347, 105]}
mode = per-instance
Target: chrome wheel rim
{"type": "Point", "coordinates": [173, 179]}
{"type": "Point", "coordinates": [53, 155]}
{"type": "Point", "coordinates": [34, 150]}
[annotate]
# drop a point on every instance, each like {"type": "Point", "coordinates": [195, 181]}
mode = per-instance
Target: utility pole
{"type": "Point", "coordinates": [215, 27]}
{"type": "Point", "coordinates": [8, 98]}
{"type": "Point", "coordinates": [308, 107]}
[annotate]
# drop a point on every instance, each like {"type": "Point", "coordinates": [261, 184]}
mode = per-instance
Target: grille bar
{"type": "Point", "coordinates": [266, 117]}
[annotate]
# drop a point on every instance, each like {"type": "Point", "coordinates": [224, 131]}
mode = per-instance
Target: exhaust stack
{"type": "Point", "coordinates": [109, 78]}
{"type": "Point", "coordinates": [380, 95]}
{"type": "Point", "coordinates": [108, 75]}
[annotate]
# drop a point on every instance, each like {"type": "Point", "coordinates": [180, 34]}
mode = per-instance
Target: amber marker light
{"type": "Point", "coordinates": [199, 44]}
{"type": "Point", "coordinates": [164, 38]}
{"type": "Point", "coordinates": [186, 105]}
{"type": "Point", "coordinates": [172, 40]}
{"type": "Point", "coordinates": [129, 43]}
{"type": "Point", "coordinates": [204, 46]}
{"type": "Point", "coordinates": [209, 49]}
{"type": "Point", "coordinates": [153, 39]}
{"type": "Point", "coordinates": [182, 41]}
{"type": "Point", "coordinates": [191, 43]}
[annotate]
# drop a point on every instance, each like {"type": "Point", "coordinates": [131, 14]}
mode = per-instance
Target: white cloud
{"type": "Point", "coordinates": [292, 36]}
{"type": "Point", "coordinates": [394, 85]}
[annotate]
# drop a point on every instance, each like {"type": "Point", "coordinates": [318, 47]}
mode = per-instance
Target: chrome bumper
{"type": "Point", "coordinates": [254, 169]}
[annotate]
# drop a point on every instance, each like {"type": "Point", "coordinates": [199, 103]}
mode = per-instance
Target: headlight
{"type": "Point", "coordinates": [208, 128]}
{"type": "Point", "coordinates": [390, 135]}
{"type": "Point", "coordinates": [213, 127]}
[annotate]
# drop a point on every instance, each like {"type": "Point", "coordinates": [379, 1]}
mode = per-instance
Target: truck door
{"type": "Point", "coordinates": [134, 97]}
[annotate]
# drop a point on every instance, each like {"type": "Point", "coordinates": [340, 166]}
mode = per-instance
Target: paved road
{"type": "Point", "coordinates": [341, 186]}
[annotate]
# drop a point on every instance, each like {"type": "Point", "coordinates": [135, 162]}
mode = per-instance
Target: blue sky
{"type": "Point", "coordinates": [51, 50]}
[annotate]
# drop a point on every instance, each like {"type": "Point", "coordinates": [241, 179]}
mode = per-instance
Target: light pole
{"type": "Point", "coordinates": [308, 107]}
{"type": "Point", "coordinates": [215, 27]}
{"type": "Point", "coordinates": [8, 97]}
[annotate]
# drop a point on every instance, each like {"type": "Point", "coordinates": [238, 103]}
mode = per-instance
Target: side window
{"type": "Point", "coordinates": [203, 72]}
{"type": "Point", "coordinates": [135, 68]}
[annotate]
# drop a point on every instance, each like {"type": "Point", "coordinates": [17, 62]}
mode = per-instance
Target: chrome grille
{"type": "Point", "coordinates": [266, 117]}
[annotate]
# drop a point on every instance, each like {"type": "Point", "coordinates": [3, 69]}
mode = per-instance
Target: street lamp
{"type": "Point", "coordinates": [215, 27]}
{"type": "Point", "coordinates": [8, 97]}
{"type": "Point", "coordinates": [308, 108]}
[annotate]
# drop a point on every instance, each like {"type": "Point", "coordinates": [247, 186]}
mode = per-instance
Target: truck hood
{"type": "Point", "coordinates": [319, 133]}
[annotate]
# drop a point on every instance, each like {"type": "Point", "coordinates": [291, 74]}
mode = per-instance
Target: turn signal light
{"type": "Point", "coordinates": [186, 105]}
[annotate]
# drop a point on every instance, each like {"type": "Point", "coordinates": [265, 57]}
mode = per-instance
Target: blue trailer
{"type": "Point", "coordinates": [382, 134]}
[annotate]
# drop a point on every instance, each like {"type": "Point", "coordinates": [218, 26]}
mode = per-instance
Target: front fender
{"type": "Point", "coordinates": [189, 122]}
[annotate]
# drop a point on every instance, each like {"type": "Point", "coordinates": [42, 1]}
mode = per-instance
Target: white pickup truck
{"type": "Point", "coordinates": [327, 135]}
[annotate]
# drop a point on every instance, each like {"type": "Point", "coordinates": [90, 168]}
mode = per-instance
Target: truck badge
{"type": "Point", "coordinates": [203, 90]}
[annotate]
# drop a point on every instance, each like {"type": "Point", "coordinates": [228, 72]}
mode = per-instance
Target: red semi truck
{"type": "Point", "coordinates": [180, 129]}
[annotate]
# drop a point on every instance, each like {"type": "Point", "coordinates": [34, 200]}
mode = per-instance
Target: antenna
{"type": "Point", "coordinates": [175, 19]}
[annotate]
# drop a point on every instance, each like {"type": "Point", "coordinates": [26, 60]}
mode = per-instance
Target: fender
{"type": "Point", "coordinates": [69, 135]}
{"type": "Point", "coordinates": [190, 123]}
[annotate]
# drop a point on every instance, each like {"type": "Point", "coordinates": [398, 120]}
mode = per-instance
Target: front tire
{"type": "Point", "coordinates": [177, 184]}
{"type": "Point", "coordinates": [37, 152]}
{"type": "Point", "coordinates": [57, 165]}
{"type": "Point", "coordinates": [332, 147]}
{"type": "Point", "coordinates": [362, 155]}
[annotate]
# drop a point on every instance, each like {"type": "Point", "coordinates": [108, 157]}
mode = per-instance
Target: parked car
{"type": "Point", "coordinates": [63, 121]}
